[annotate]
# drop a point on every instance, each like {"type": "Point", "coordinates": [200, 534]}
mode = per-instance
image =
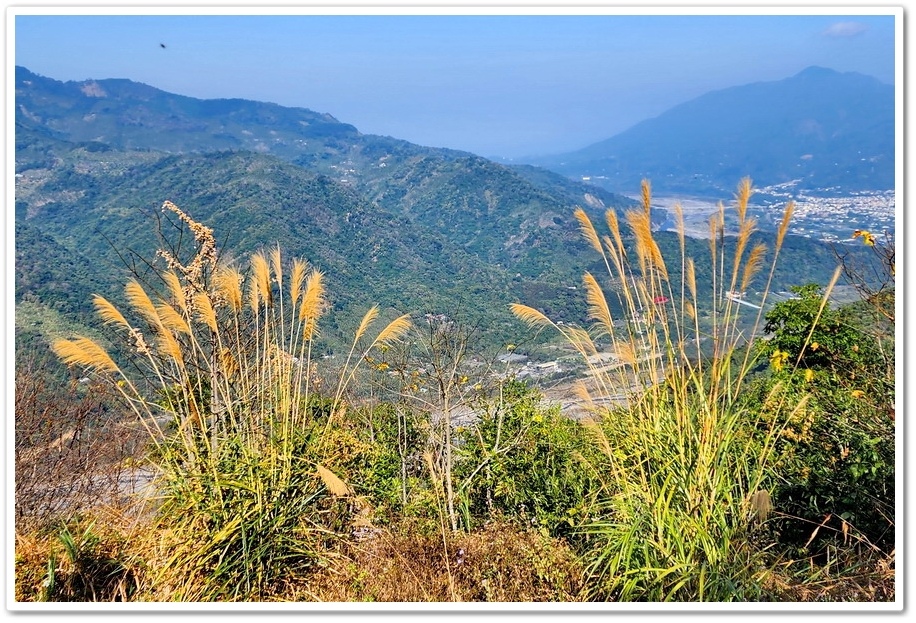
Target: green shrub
{"type": "Point", "coordinates": [393, 475]}
{"type": "Point", "coordinates": [835, 461]}
{"type": "Point", "coordinates": [524, 460]}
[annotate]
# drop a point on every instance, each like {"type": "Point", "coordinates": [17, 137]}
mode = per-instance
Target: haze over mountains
{"type": "Point", "coordinates": [821, 127]}
{"type": "Point", "coordinates": [413, 228]}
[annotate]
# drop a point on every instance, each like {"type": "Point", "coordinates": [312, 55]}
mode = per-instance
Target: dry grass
{"type": "Point", "coordinates": [88, 559]}
{"type": "Point", "coordinates": [852, 574]}
{"type": "Point", "coordinates": [498, 563]}
{"type": "Point", "coordinates": [115, 560]}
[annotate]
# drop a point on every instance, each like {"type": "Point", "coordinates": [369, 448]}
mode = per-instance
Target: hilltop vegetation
{"type": "Point", "coordinates": [303, 340]}
{"type": "Point", "coordinates": [757, 470]}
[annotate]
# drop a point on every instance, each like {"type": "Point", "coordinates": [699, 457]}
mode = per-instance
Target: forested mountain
{"type": "Point", "coordinates": [822, 127]}
{"type": "Point", "coordinates": [415, 229]}
{"type": "Point", "coordinates": [410, 227]}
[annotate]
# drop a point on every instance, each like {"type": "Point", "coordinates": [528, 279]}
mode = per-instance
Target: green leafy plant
{"type": "Point", "coordinates": [836, 458]}
{"type": "Point", "coordinates": [526, 460]}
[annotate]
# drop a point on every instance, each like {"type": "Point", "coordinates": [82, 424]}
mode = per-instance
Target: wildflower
{"type": "Point", "coordinates": [815, 345]}
{"type": "Point", "coordinates": [809, 375]}
{"type": "Point", "coordinates": [778, 359]}
{"type": "Point", "coordinates": [382, 366]}
{"type": "Point", "coordinates": [857, 393]}
{"type": "Point", "coordinates": [867, 237]}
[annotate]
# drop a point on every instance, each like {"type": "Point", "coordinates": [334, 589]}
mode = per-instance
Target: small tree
{"type": "Point", "coordinates": [807, 334]}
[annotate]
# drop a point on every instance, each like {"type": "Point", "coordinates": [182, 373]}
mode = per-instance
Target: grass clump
{"type": "Point", "coordinates": [685, 483]}
{"type": "Point", "coordinates": [250, 473]}
{"type": "Point", "coordinates": [74, 561]}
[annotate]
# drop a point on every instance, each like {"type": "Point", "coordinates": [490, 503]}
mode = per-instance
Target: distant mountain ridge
{"type": "Point", "coordinates": [822, 127]}
{"type": "Point", "coordinates": [131, 115]}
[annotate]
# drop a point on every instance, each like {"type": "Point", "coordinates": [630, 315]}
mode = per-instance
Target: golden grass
{"type": "Point", "coordinates": [681, 473]}
{"type": "Point", "coordinates": [237, 379]}
{"type": "Point", "coordinates": [108, 312]}
{"type": "Point", "coordinates": [85, 353]}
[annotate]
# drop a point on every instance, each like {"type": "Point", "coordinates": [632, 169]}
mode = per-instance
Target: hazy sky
{"type": "Point", "coordinates": [511, 85]}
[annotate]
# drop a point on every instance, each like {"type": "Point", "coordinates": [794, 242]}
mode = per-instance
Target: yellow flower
{"type": "Point", "coordinates": [866, 236]}
{"type": "Point", "coordinates": [815, 345]}
{"type": "Point", "coordinates": [778, 359]}
{"type": "Point", "coordinates": [857, 393]}
{"type": "Point", "coordinates": [809, 375]}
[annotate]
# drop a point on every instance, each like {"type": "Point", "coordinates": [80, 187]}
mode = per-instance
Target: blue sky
{"type": "Point", "coordinates": [510, 85]}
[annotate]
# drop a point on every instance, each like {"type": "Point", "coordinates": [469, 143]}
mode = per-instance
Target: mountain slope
{"type": "Point", "coordinates": [413, 228]}
{"type": "Point", "coordinates": [824, 127]}
{"type": "Point", "coordinates": [104, 206]}
{"type": "Point", "coordinates": [131, 115]}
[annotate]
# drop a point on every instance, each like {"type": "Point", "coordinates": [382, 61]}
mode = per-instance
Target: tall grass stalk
{"type": "Point", "coordinates": [686, 466]}
{"type": "Point", "coordinates": [226, 387]}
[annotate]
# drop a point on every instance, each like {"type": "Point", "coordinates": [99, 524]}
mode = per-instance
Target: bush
{"type": "Point", "coordinates": [835, 461]}
{"type": "Point", "coordinates": [521, 459]}
{"type": "Point", "coordinates": [72, 452]}
{"type": "Point", "coordinates": [393, 475]}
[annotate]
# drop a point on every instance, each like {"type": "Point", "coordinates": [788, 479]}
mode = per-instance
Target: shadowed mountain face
{"type": "Point", "coordinates": [824, 128]}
